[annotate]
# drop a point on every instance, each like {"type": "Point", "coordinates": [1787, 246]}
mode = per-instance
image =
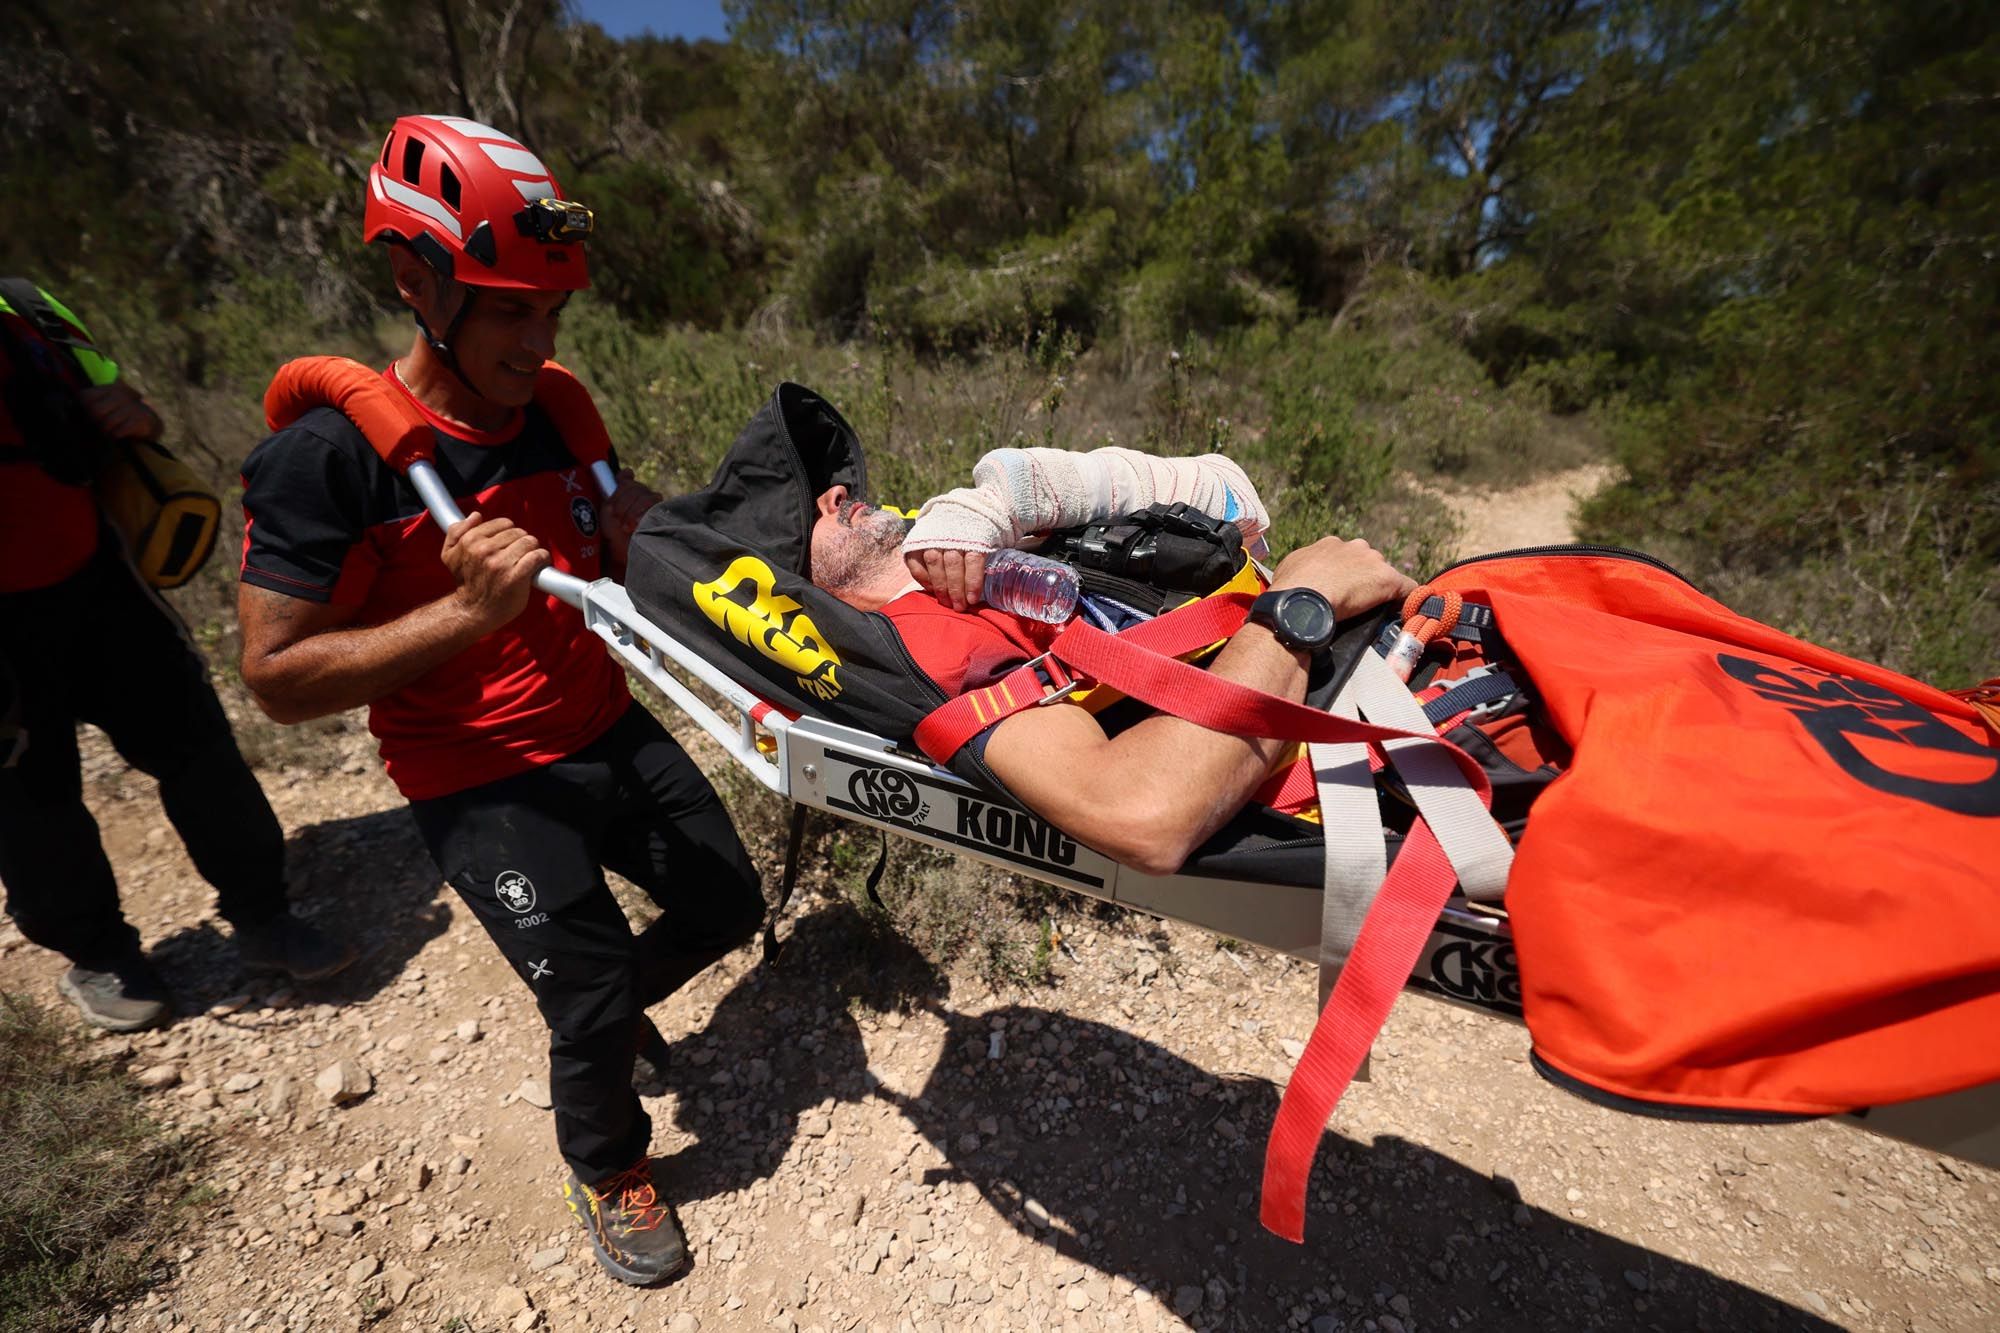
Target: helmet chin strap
{"type": "Point", "coordinates": [441, 347]}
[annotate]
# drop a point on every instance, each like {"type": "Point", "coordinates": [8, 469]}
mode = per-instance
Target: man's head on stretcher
{"type": "Point", "coordinates": [1153, 792]}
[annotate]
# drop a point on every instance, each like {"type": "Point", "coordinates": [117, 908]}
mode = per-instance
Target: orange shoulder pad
{"type": "Point", "coordinates": [390, 421]}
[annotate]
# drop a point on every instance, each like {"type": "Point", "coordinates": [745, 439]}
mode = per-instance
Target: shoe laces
{"type": "Point", "coordinates": [631, 1192]}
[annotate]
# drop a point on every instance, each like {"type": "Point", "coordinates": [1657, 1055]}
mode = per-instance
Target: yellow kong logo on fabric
{"type": "Point", "coordinates": [745, 604]}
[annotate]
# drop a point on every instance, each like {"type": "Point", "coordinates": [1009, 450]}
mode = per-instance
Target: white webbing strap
{"type": "Point", "coordinates": [1477, 846]}
{"type": "Point", "coordinates": [1356, 857]}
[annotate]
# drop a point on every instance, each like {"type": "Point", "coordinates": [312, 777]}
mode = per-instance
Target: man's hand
{"type": "Point", "coordinates": [495, 563]}
{"type": "Point", "coordinates": [957, 578]}
{"type": "Point", "coordinates": [120, 412]}
{"type": "Point", "coordinates": [1350, 574]}
{"type": "Point", "coordinates": [622, 512]}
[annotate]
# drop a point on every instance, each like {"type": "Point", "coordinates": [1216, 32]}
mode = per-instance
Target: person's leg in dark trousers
{"type": "Point", "coordinates": [526, 855]}
{"type": "Point", "coordinates": [673, 838]}
{"type": "Point", "coordinates": [60, 890]}
{"type": "Point", "coordinates": [140, 680]}
{"type": "Point", "coordinates": [100, 648]}
{"type": "Point", "coordinates": [519, 852]}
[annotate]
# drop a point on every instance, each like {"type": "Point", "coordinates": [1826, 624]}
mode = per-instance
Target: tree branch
{"type": "Point", "coordinates": [458, 83]}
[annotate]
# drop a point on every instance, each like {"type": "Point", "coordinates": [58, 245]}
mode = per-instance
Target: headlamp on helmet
{"type": "Point", "coordinates": [555, 221]}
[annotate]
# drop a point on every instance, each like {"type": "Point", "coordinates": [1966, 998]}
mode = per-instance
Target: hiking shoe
{"type": "Point", "coordinates": [632, 1233]}
{"type": "Point", "coordinates": [649, 1066]}
{"type": "Point", "coordinates": [128, 998]}
{"type": "Point", "coordinates": [289, 944]}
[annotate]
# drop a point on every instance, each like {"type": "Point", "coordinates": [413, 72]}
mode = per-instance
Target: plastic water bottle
{"type": "Point", "coordinates": [1031, 586]}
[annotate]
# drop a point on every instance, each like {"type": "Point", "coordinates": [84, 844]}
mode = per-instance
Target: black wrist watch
{"type": "Point", "coordinates": [1299, 618]}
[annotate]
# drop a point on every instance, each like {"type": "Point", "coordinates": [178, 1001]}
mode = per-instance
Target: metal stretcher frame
{"type": "Point", "coordinates": [857, 775]}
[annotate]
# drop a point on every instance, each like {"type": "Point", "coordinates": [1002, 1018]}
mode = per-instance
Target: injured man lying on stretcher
{"type": "Point", "coordinates": [1153, 791]}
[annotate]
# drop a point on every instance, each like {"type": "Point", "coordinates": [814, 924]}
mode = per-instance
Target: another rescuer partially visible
{"type": "Point", "coordinates": [506, 723]}
{"type": "Point", "coordinates": [82, 639]}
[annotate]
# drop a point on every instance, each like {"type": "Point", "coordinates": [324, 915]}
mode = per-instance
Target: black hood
{"type": "Point", "coordinates": [762, 493]}
{"type": "Point", "coordinates": [727, 570]}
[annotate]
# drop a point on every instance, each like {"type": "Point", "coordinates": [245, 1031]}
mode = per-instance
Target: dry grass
{"type": "Point", "coordinates": [89, 1188]}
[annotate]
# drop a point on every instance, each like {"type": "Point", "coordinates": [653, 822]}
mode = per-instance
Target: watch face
{"type": "Point", "coordinates": [1304, 620]}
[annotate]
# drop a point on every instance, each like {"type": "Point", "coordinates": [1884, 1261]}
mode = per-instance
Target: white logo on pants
{"type": "Point", "coordinates": [516, 891]}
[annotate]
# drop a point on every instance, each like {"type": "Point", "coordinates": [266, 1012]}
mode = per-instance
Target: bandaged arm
{"type": "Point", "coordinates": [1019, 493]}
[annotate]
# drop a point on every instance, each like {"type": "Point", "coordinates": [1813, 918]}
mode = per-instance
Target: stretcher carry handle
{"type": "Point", "coordinates": [407, 442]}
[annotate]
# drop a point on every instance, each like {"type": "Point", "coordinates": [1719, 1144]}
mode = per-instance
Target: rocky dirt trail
{"type": "Point", "coordinates": [1536, 514]}
{"type": "Point", "coordinates": [857, 1142]}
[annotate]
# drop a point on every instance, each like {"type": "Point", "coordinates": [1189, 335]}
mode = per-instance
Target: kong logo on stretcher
{"type": "Point", "coordinates": [936, 813]}
{"type": "Point", "coordinates": [1472, 967]}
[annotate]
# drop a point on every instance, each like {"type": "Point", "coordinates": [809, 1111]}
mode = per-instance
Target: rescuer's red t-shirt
{"type": "Point", "coordinates": [326, 520]}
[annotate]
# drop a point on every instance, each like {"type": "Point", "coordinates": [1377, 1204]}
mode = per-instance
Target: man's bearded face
{"type": "Point", "coordinates": [854, 543]}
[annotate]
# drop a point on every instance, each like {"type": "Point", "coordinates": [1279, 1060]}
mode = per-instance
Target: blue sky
{"type": "Point", "coordinates": [667, 18]}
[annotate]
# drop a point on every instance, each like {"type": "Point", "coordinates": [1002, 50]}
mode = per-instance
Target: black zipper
{"type": "Point", "coordinates": [937, 695]}
{"type": "Point", "coordinates": [1574, 548]}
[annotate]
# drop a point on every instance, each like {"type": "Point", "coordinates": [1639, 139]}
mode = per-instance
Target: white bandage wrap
{"type": "Point", "coordinates": [1020, 493]}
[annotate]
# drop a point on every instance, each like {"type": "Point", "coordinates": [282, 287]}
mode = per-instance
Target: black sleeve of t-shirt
{"type": "Point", "coordinates": [306, 504]}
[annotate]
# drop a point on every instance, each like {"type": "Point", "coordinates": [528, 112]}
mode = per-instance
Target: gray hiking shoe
{"type": "Point", "coordinates": [289, 944]}
{"type": "Point", "coordinates": [632, 1233]}
{"type": "Point", "coordinates": [128, 998]}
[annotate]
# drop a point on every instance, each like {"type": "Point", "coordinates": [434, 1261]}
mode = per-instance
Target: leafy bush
{"type": "Point", "coordinates": [670, 247]}
{"type": "Point", "coordinates": [952, 306]}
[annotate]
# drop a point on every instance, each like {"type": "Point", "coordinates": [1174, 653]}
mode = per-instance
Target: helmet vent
{"type": "Point", "coordinates": [448, 186]}
{"type": "Point", "coordinates": [413, 159]}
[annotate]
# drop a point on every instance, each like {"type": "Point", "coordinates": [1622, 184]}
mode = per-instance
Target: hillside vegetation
{"type": "Point", "coordinates": [1747, 248]}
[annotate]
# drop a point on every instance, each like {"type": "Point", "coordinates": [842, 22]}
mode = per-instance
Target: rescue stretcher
{"type": "Point", "coordinates": [856, 775]}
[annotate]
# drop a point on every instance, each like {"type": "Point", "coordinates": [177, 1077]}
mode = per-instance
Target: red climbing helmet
{"type": "Point", "coordinates": [477, 205]}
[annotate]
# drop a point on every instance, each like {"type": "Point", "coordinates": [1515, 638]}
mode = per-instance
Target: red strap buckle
{"type": "Point", "coordinates": [1057, 682]}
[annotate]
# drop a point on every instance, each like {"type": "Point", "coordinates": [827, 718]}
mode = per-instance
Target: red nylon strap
{"type": "Point", "coordinates": [1393, 936]}
{"type": "Point", "coordinates": [1183, 630]}
{"type": "Point", "coordinates": [1195, 625]}
{"type": "Point", "coordinates": [1386, 952]}
{"type": "Point", "coordinates": [946, 729]}
{"type": "Point", "coordinates": [1219, 704]}
{"type": "Point", "coordinates": [1296, 785]}
{"type": "Point", "coordinates": [1290, 788]}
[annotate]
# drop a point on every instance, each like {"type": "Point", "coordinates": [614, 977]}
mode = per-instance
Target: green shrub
{"type": "Point", "coordinates": [670, 247]}
{"type": "Point", "coordinates": [952, 306]}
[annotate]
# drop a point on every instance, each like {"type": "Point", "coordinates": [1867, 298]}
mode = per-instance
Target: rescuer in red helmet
{"type": "Point", "coordinates": [503, 720]}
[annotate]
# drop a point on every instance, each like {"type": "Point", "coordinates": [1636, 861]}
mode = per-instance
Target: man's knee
{"type": "Point", "coordinates": [589, 1002]}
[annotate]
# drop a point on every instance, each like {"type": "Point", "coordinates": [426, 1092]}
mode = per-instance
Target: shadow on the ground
{"type": "Point", "coordinates": [1165, 1195]}
{"type": "Point", "coordinates": [367, 877]}
{"type": "Point", "coordinates": [786, 1038]}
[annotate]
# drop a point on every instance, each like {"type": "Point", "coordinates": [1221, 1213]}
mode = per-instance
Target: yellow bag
{"type": "Point", "coordinates": [166, 516]}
